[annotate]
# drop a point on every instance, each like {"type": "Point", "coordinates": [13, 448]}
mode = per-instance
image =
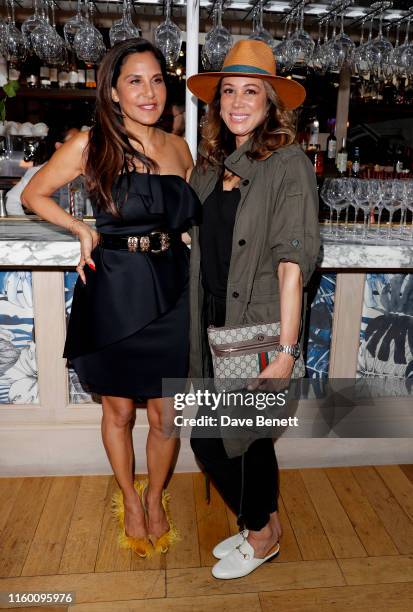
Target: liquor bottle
{"type": "Point", "coordinates": [90, 76]}
{"type": "Point", "coordinates": [73, 75]}
{"type": "Point", "coordinates": [31, 79]}
{"type": "Point", "coordinates": [30, 72]}
{"type": "Point", "coordinates": [314, 130]}
{"type": "Point", "coordinates": [342, 156]}
{"type": "Point", "coordinates": [63, 77]}
{"type": "Point", "coordinates": [44, 76]}
{"type": "Point", "coordinates": [319, 161]}
{"type": "Point", "coordinates": [400, 92]}
{"type": "Point", "coordinates": [389, 93]}
{"type": "Point", "coordinates": [355, 166]}
{"type": "Point", "coordinates": [331, 147]}
{"type": "Point", "coordinates": [81, 76]}
{"type": "Point", "coordinates": [53, 77]}
{"type": "Point", "coordinates": [13, 72]}
{"type": "Point", "coordinates": [398, 164]}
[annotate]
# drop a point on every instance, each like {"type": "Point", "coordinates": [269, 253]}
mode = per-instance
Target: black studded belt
{"type": "Point", "coordinates": [154, 242]}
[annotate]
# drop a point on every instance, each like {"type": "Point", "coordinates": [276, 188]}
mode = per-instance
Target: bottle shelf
{"type": "Point", "coordinates": [379, 108]}
{"type": "Point", "coordinates": [51, 93]}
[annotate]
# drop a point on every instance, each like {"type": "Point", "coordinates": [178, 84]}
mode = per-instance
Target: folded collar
{"type": "Point", "coordinates": [238, 162]}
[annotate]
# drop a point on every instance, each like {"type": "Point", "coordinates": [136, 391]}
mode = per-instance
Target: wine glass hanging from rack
{"type": "Point", "coordinates": [218, 41]}
{"type": "Point", "coordinates": [373, 57]}
{"type": "Point", "coordinates": [88, 43]}
{"type": "Point", "coordinates": [124, 28]}
{"type": "Point", "coordinates": [258, 31]}
{"type": "Point", "coordinates": [168, 37]}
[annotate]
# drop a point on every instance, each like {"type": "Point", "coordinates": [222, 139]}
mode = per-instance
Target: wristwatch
{"type": "Point", "coordinates": [291, 349]}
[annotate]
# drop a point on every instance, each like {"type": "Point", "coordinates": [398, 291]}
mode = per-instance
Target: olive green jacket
{"type": "Point", "coordinates": [276, 220]}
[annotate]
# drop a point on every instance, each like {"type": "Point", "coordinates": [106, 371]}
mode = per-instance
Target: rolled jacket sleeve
{"type": "Point", "coordinates": [294, 231]}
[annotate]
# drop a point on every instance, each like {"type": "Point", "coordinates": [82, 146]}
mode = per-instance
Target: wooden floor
{"type": "Point", "coordinates": [347, 545]}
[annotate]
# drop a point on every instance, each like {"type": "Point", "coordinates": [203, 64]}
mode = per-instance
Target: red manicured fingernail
{"type": "Point", "coordinates": [92, 266]}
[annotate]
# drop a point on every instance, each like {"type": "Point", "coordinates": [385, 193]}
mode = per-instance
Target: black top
{"type": "Point", "coordinates": [130, 290]}
{"type": "Point", "coordinates": [215, 237]}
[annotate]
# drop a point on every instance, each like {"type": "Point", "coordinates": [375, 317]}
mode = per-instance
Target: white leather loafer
{"type": "Point", "coordinates": [241, 562]}
{"type": "Point", "coordinates": [224, 547]}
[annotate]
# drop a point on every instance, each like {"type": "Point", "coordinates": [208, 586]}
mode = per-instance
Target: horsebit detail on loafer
{"type": "Point", "coordinates": [246, 556]}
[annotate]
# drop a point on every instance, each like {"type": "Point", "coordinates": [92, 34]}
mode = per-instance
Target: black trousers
{"type": "Point", "coordinates": [249, 483]}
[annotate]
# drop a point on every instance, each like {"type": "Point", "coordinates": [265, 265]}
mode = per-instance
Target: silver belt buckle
{"type": "Point", "coordinates": [145, 243]}
{"type": "Point", "coordinates": [133, 243]}
{"type": "Point", "coordinates": [165, 242]}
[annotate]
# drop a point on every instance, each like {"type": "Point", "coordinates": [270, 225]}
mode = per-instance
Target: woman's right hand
{"type": "Point", "coordinates": [89, 239]}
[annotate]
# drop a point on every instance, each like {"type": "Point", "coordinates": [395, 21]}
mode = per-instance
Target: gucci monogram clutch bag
{"type": "Point", "coordinates": [242, 353]}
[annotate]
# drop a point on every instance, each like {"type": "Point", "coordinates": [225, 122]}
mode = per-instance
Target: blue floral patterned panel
{"type": "Point", "coordinates": [18, 367]}
{"type": "Point", "coordinates": [386, 334]}
{"type": "Point", "coordinates": [319, 328]}
{"type": "Point", "coordinates": [77, 395]}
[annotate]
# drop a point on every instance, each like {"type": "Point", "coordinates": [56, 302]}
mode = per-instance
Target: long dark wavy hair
{"type": "Point", "coordinates": [109, 152]}
{"type": "Point", "coordinates": [277, 130]}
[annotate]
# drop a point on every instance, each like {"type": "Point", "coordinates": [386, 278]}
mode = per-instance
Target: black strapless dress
{"type": "Point", "coordinates": [129, 325]}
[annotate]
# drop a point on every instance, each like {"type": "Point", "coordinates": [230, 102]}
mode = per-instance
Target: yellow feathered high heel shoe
{"type": "Point", "coordinates": [170, 537]}
{"type": "Point", "coordinates": [141, 546]}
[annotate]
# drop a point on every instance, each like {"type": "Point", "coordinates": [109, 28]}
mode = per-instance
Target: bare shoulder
{"type": "Point", "coordinates": [80, 142]}
{"type": "Point", "coordinates": [181, 147]}
{"type": "Point", "coordinates": [73, 152]}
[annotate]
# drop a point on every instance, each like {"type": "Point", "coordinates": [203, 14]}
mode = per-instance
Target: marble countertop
{"type": "Point", "coordinates": [33, 243]}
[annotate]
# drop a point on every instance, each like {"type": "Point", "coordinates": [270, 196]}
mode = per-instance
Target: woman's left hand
{"type": "Point", "coordinates": [276, 375]}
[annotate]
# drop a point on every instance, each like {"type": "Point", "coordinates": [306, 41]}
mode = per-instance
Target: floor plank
{"type": "Point", "coordinates": [376, 570]}
{"type": "Point", "coordinates": [304, 520]}
{"type": "Point", "coordinates": [9, 489]}
{"type": "Point", "coordinates": [156, 562]}
{"type": "Point", "coordinates": [110, 557]}
{"type": "Point", "coordinates": [393, 517]}
{"type": "Point", "coordinates": [18, 532]}
{"type": "Point", "coordinates": [36, 609]}
{"type": "Point", "coordinates": [105, 586]}
{"type": "Point", "coordinates": [63, 522]}
{"type": "Point", "coordinates": [292, 575]}
{"type": "Point", "coordinates": [408, 470]}
{"type": "Point", "coordinates": [401, 487]}
{"type": "Point", "coordinates": [289, 550]}
{"type": "Point", "coordinates": [249, 602]}
{"type": "Point", "coordinates": [79, 554]}
{"type": "Point", "coordinates": [212, 521]}
{"type": "Point", "coordinates": [366, 598]}
{"type": "Point", "coordinates": [337, 526]}
{"type": "Point", "coordinates": [46, 549]}
{"type": "Point", "coordinates": [186, 552]}
{"type": "Point", "coordinates": [363, 517]}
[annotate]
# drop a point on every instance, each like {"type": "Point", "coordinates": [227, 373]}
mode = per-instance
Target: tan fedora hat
{"type": "Point", "coordinates": [252, 58]}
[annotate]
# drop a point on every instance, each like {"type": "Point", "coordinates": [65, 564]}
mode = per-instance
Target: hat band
{"type": "Point", "coordinates": [245, 68]}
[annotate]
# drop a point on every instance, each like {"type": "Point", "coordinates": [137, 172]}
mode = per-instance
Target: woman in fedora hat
{"type": "Point", "coordinates": [251, 258]}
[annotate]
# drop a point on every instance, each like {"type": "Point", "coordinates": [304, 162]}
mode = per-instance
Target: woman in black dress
{"type": "Point", "coordinates": [129, 322]}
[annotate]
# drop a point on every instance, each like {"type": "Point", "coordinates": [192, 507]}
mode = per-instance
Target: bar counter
{"type": "Point", "coordinates": [34, 243]}
{"type": "Point", "coordinates": [360, 321]}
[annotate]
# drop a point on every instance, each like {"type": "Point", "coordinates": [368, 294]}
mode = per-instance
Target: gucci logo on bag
{"type": "Point", "coordinates": [260, 338]}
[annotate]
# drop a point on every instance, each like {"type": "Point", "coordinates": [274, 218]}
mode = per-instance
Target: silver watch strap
{"type": "Point", "coordinates": [290, 349]}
